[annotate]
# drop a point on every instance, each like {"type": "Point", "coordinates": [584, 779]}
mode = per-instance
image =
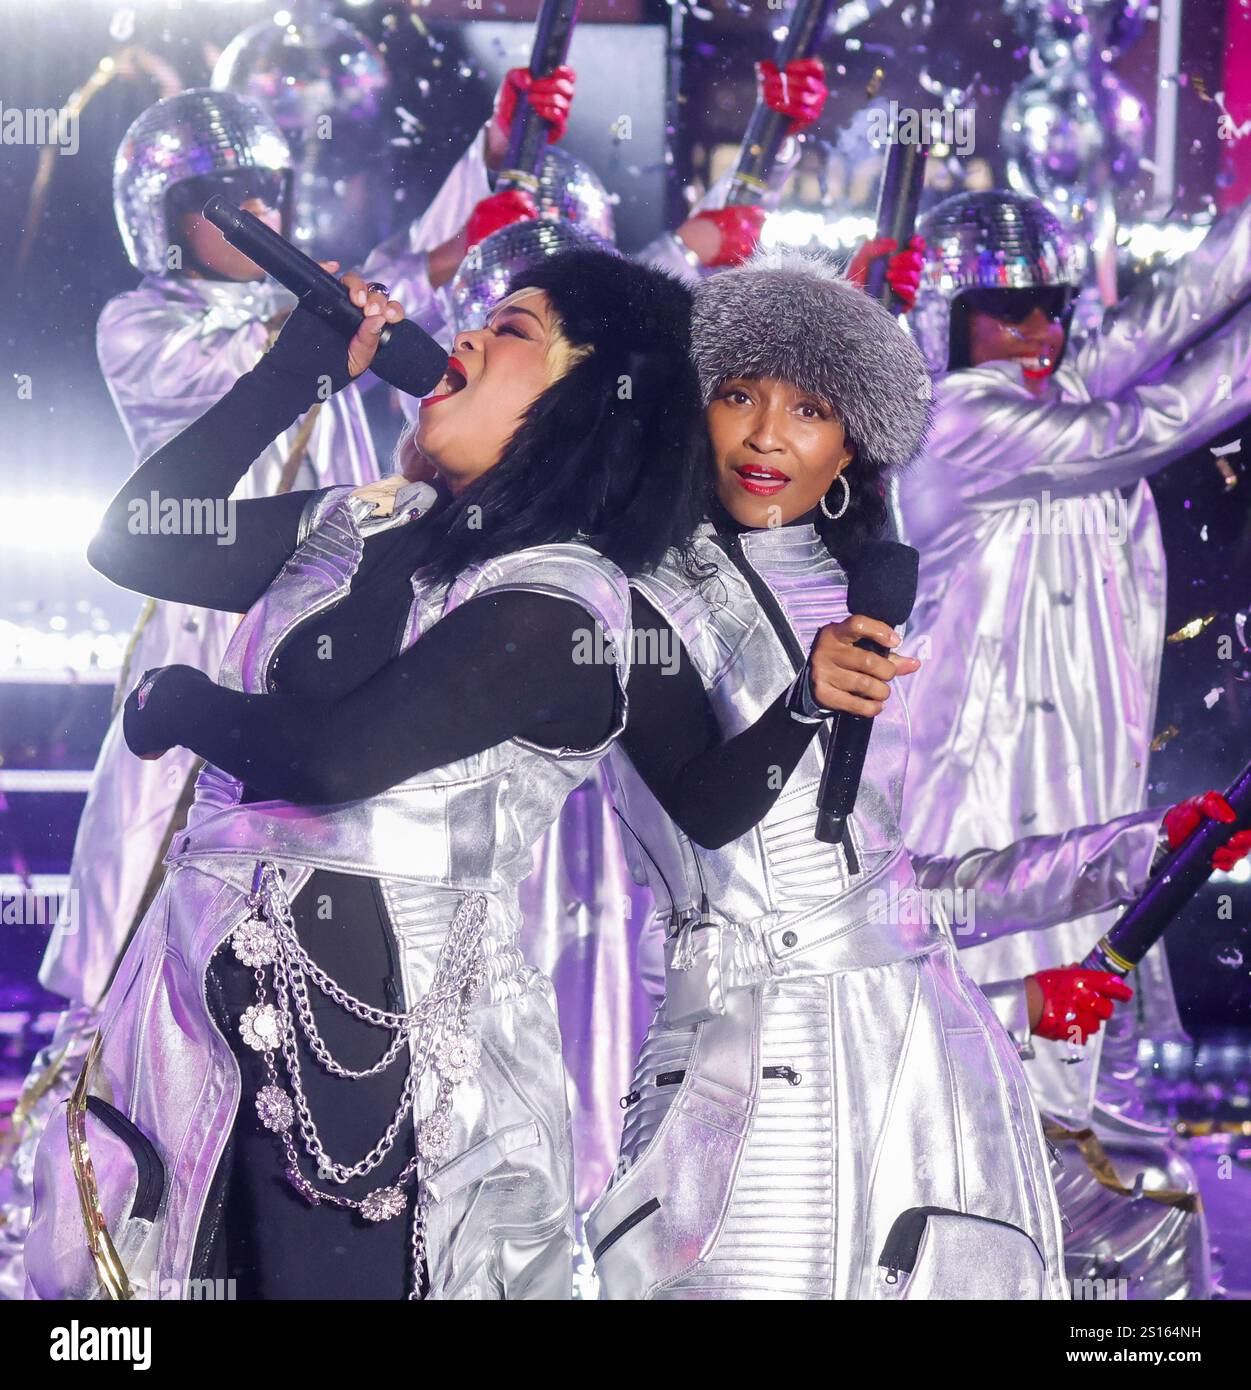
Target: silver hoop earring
{"type": "Point", "coordinates": [834, 516]}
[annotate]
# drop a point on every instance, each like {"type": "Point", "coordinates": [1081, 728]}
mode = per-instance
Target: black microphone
{"type": "Point", "coordinates": [1176, 881]}
{"type": "Point", "coordinates": [883, 586]}
{"type": "Point", "coordinates": [408, 358]}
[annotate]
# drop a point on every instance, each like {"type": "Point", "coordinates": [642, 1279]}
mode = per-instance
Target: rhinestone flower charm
{"type": "Point", "coordinates": [261, 1027]}
{"type": "Point", "coordinates": [383, 1203]}
{"type": "Point", "coordinates": [274, 1107]}
{"type": "Point", "coordinates": [255, 943]}
{"type": "Point", "coordinates": [434, 1137]}
{"type": "Point", "coordinates": [458, 1057]}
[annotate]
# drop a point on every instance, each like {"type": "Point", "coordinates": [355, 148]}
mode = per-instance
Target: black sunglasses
{"type": "Point", "coordinates": [237, 185]}
{"type": "Point", "coordinates": [1016, 305]}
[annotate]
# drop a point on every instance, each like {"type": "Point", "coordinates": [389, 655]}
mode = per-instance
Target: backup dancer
{"type": "Point", "coordinates": [325, 1069]}
{"type": "Point", "coordinates": [1038, 535]}
{"type": "Point", "coordinates": [826, 1107]}
{"type": "Point", "coordinates": [202, 315]}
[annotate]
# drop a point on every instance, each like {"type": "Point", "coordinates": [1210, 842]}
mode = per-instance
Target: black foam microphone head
{"type": "Point", "coordinates": [884, 582]}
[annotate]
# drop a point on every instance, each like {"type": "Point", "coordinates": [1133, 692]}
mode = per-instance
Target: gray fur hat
{"type": "Point", "coordinates": [793, 315]}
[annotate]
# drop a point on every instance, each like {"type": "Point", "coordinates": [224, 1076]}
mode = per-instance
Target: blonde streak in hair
{"type": "Point", "coordinates": [561, 356]}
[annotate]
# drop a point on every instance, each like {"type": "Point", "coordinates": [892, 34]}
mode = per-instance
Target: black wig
{"type": "Point", "coordinates": [615, 452]}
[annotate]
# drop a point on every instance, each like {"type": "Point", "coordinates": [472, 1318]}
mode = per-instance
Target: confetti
{"type": "Point", "coordinates": [1191, 629]}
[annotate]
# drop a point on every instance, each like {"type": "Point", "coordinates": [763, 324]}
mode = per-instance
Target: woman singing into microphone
{"type": "Point", "coordinates": [825, 1106]}
{"type": "Point", "coordinates": [325, 1069]}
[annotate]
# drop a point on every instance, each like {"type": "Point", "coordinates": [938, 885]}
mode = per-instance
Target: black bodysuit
{"type": "Point", "coordinates": [348, 726]}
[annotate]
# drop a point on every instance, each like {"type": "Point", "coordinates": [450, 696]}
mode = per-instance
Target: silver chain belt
{"type": "Point", "coordinates": [436, 1030]}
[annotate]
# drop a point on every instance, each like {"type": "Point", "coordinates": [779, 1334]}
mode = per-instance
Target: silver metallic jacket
{"type": "Point", "coordinates": [1041, 610]}
{"type": "Point", "coordinates": [500, 1217]}
{"type": "Point", "coordinates": [1043, 589]}
{"type": "Point", "coordinates": [822, 1067]}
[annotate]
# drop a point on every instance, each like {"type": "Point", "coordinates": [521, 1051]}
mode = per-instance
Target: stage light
{"type": "Point", "coordinates": [1164, 241]}
{"type": "Point", "coordinates": [49, 523]}
{"type": "Point", "coordinates": [35, 655]}
{"type": "Point", "coordinates": [796, 227]}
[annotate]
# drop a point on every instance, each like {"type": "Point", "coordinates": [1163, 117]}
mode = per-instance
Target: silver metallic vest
{"type": "Point", "coordinates": [778, 875]}
{"type": "Point", "coordinates": [470, 824]}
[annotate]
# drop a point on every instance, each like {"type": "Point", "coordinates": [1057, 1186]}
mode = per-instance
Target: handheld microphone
{"type": "Point", "coordinates": [884, 586]}
{"type": "Point", "coordinates": [898, 199]}
{"type": "Point", "coordinates": [1178, 879]}
{"type": "Point", "coordinates": [408, 358]}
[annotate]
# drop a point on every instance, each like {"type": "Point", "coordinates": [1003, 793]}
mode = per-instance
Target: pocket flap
{"type": "Point", "coordinates": [478, 1161]}
{"type": "Point", "coordinates": [934, 1253]}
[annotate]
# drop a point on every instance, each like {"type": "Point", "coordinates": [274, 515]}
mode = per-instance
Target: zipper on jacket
{"type": "Point", "coordinates": [638, 1214]}
{"type": "Point", "coordinates": [675, 1078]}
{"type": "Point", "coordinates": [150, 1187]}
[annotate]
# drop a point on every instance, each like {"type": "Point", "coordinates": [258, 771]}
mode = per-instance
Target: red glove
{"type": "Point", "coordinates": [1182, 820]}
{"type": "Point", "coordinates": [499, 210]}
{"type": "Point", "coordinates": [799, 92]}
{"type": "Point", "coordinates": [551, 97]}
{"type": "Point", "coordinates": [903, 270]}
{"type": "Point", "coordinates": [1077, 999]}
{"type": "Point", "coordinates": [740, 227]}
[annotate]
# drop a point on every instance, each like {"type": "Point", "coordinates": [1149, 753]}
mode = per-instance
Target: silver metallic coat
{"type": "Point", "coordinates": [853, 1072]}
{"type": "Point", "coordinates": [1039, 536]}
{"type": "Point", "coordinates": [1041, 610]}
{"type": "Point", "coordinates": [500, 1218]}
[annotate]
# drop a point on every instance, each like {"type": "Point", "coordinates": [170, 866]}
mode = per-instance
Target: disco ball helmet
{"type": "Point", "coordinates": [570, 190]}
{"type": "Point", "coordinates": [195, 134]}
{"type": "Point", "coordinates": [995, 240]}
{"type": "Point", "coordinates": [487, 271]}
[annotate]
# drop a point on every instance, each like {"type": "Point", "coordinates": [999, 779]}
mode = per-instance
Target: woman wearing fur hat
{"type": "Point", "coordinates": [825, 1107]}
{"type": "Point", "coordinates": [326, 1070]}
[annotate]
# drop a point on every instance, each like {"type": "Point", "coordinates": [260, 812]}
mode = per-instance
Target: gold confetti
{"type": "Point", "coordinates": [1191, 629]}
{"type": "Point", "coordinates": [1163, 737]}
